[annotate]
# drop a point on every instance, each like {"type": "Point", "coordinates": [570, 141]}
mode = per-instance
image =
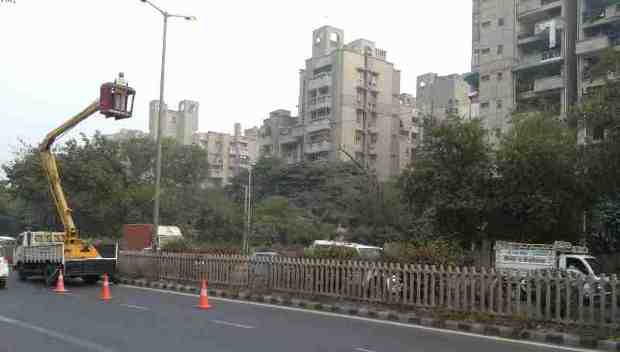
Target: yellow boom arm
{"type": "Point", "coordinates": [51, 171]}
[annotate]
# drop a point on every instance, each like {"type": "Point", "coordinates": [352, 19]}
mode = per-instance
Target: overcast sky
{"type": "Point", "coordinates": [240, 60]}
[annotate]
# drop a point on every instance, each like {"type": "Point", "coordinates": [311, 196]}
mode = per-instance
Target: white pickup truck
{"type": "Point", "coordinates": [4, 272]}
{"type": "Point", "coordinates": [563, 256]}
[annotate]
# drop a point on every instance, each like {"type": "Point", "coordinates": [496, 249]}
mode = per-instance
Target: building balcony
{"type": "Point", "coordinates": [318, 125]}
{"type": "Point", "coordinates": [289, 139]}
{"type": "Point", "coordinates": [322, 81]}
{"type": "Point", "coordinates": [601, 16]}
{"type": "Point", "coordinates": [318, 147]}
{"type": "Point", "coordinates": [539, 59]}
{"type": "Point", "coordinates": [548, 83]}
{"type": "Point", "coordinates": [592, 45]}
{"type": "Point", "coordinates": [320, 102]}
{"type": "Point", "coordinates": [589, 81]}
{"type": "Point", "coordinates": [529, 38]}
{"type": "Point", "coordinates": [536, 9]}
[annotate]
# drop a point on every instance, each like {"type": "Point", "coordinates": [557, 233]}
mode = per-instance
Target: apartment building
{"type": "Point", "coordinates": [598, 30]}
{"type": "Point", "coordinates": [179, 125]}
{"type": "Point", "coordinates": [442, 96]}
{"type": "Point", "coordinates": [349, 106]}
{"type": "Point", "coordinates": [228, 153]}
{"type": "Point", "coordinates": [523, 58]}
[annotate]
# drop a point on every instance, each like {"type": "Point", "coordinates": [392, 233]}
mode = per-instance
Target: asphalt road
{"type": "Point", "coordinates": [32, 318]}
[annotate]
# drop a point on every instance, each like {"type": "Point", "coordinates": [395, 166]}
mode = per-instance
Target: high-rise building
{"type": "Point", "coordinates": [228, 153]}
{"type": "Point", "coordinates": [598, 30]}
{"type": "Point", "coordinates": [523, 58]}
{"type": "Point", "coordinates": [442, 96]}
{"type": "Point", "coordinates": [349, 106]}
{"type": "Point", "coordinates": [179, 125]}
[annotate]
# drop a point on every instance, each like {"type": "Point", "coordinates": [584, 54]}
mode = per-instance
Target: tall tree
{"type": "Point", "coordinates": [541, 193]}
{"type": "Point", "coordinates": [448, 186]}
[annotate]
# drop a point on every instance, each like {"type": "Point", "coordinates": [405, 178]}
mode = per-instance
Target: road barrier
{"type": "Point", "coordinates": [543, 295]}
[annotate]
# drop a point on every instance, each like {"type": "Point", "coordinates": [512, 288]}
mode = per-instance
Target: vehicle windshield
{"type": "Point", "coordinates": [370, 253]}
{"type": "Point", "coordinates": [596, 266]}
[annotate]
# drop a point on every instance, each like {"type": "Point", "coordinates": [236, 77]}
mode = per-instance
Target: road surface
{"type": "Point", "coordinates": [32, 318]}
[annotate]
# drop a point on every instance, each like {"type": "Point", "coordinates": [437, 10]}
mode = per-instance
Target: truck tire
{"type": "Point", "coordinates": [90, 279]}
{"type": "Point", "coordinates": [21, 274]}
{"type": "Point", "coordinates": [2, 284]}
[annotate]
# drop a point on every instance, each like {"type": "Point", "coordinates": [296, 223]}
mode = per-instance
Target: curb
{"type": "Point", "coordinates": [556, 338]}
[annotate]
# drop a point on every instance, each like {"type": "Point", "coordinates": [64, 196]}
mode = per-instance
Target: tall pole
{"type": "Point", "coordinates": [158, 140]}
{"type": "Point", "coordinates": [246, 235]}
{"type": "Point", "coordinates": [165, 14]}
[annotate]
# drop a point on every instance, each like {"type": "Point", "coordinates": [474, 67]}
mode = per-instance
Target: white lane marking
{"type": "Point", "coordinates": [91, 346]}
{"type": "Point", "coordinates": [222, 322]}
{"type": "Point", "coordinates": [376, 321]}
{"type": "Point", "coordinates": [133, 306]}
{"type": "Point", "coordinates": [362, 349]}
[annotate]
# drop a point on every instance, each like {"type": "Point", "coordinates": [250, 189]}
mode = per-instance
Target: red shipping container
{"type": "Point", "coordinates": [137, 237]}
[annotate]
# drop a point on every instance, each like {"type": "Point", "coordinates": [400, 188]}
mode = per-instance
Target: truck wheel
{"type": "Point", "coordinates": [22, 274]}
{"type": "Point", "coordinates": [91, 279]}
{"type": "Point", "coordinates": [2, 284]}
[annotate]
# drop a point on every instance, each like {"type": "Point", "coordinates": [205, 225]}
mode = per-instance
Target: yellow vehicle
{"type": "Point", "coordinates": [46, 253]}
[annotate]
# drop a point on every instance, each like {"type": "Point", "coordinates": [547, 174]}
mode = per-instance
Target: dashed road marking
{"type": "Point", "coordinates": [222, 322]}
{"type": "Point", "coordinates": [133, 306]}
{"type": "Point", "coordinates": [87, 345]}
{"type": "Point", "coordinates": [362, 349]}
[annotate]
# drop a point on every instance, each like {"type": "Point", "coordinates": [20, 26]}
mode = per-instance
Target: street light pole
{"type": "Point", "coordinates": [158, 161]}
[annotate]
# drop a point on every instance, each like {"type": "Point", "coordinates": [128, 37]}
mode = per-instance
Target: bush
{"type": "Point", "coordinates": [429, 252]}
{"type": "Point", "coordinates": [338, 253]}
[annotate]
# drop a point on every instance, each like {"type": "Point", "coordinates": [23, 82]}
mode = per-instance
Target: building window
{"type": "Point", "coordinates": [485, 78]}
{"type": "Point", "coordinates": [486, 24]}
{"type": "Point", "coordinates": [484, 105]}
{"type": "Point", "coordinates": [361, 116]}
{"type": "Point", "coordinates": [374, 138]}
{"type": "Point", "coordinates": [500, 21]}
{"type": "Point", "coordinates": [500, 49]}
{"type": "Point", "coordinates": [358, 137]}
{"type": "Point", "coordinates": [499, 104]}
{"type": "Point", "coordinates": [485, 51]}
{"type": "Point", "coordinates": [500, 76]}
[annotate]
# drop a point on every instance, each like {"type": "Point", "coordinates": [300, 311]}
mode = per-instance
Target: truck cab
{"type": "Point", "coordinates": [586, 265]}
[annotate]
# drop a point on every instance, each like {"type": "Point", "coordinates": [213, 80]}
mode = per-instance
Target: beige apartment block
{"type": "Point", "coordinates": [179, 125]}
{"type": "Point", "coordinates": [228, 154]}
{"type": "Point", "coordinates": [598, 30]}
{"type": "Point", "coordinates": [523, 58]}
{"type": "Point", "coordinates": [349, 107]}
{"type": "Point", "coordinates": [438, 97]}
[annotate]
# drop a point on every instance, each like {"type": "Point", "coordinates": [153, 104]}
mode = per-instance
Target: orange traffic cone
{"type": "Point", "coordinates": [204, 299]}
{"type": "Point", "coordinates": [60, 284]}
{"type": "Point", "coordinates": [105, 295]}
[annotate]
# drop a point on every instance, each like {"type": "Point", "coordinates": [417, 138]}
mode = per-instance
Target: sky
{"type": "Point", "coordinates": [239, 60]}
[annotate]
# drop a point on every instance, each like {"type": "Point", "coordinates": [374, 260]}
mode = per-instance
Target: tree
{"type": "Point", "coordinates": [541, 193]}
{"type": "Point", "coordinates": [109, 183]}
{"type": "Point", "coordinates": [448, 187]}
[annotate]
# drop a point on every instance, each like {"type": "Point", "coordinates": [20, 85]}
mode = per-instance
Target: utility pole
{"type": "Point", "coordinates": [158, 159]}
{"type": "Point", "coordinates": [248, 213]}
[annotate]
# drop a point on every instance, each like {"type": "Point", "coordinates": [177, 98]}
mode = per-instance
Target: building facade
{"type": "Point", "coordinates": [438, 97]}
{"type": "Point", "coordinates": [179, 125]}
{"type": "Point", "coordinates": [523, 58]}
{"type": "Point", "coordinates": [598, 30]}
{"type": "Point", "coordinates": [227, 153]}
{"type": "Point", "coordinates": [349, 107]}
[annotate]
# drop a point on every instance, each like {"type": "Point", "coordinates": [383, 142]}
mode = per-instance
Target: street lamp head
{"type": "Point", "coordinates": [190, 18]}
